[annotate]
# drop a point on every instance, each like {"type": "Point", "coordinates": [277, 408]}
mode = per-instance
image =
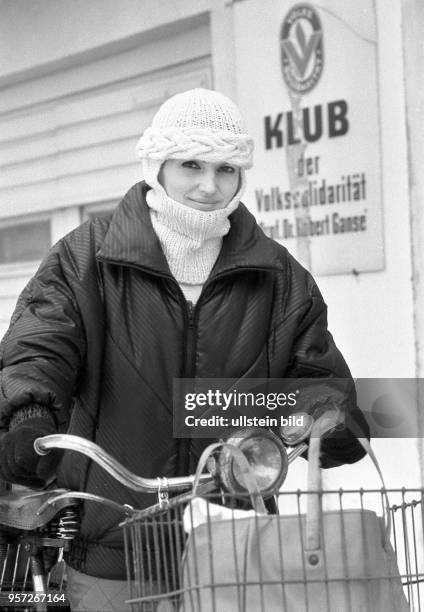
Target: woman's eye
{"type": "Point", "coordinates": [229, 169]}
{"type": "Point", "coordinates": [190, 164]}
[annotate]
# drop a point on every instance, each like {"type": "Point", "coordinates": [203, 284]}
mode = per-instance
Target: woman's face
{"type": "Point", "coordinates": [198, 184]}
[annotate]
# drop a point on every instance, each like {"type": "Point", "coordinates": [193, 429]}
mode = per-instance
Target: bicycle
{"type": "Point", "coordinates": [164, 576]}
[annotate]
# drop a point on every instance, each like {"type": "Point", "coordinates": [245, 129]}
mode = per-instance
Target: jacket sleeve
{"type": "Point", "coordinates": [314, 356]}
{"type": "Point", "coordinates": [43, 349]}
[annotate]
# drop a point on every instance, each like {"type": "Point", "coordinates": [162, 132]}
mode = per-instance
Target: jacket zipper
{"type": "Point", "coordinates": [190, 362]}
{"type": "Point", "coordinates": [184, 444]}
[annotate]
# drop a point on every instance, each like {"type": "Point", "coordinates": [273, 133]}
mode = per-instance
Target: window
{"type": "Point", "coordinates": [24, 241]}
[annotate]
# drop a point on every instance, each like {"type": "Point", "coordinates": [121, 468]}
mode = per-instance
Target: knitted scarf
{"type": "Point", "coordinates": [191, 239]}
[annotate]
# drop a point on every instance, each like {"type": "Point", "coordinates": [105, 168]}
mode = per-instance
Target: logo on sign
{"type": "Point", "coordinates": [302, 56]}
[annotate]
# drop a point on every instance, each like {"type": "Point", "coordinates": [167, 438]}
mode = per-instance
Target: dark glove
{"type": "Point", "coordinates": [337, 398]}
{"type": "Point", "coordinates": [19, 463]}
{"type": "Point", "coordinates": [341, 446]}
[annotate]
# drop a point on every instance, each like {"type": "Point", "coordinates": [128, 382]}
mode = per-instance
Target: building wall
{"type": "Point", "coordinates": [84, 84]}
{"type": "Point", "coordinates": [372, 315]}
{"type": "Point", "coordinates": [376, 308]}
{"type": "Point", "coordinates": [51, 32]}
{"type": "Point", "coordinates": [413, 58]}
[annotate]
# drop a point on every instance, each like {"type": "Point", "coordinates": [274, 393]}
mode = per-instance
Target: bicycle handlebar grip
{"type": "Point", "coordinates": [39, 447]}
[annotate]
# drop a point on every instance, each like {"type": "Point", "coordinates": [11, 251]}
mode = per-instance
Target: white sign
{"type": "Point", "coordinates": [307, 84]}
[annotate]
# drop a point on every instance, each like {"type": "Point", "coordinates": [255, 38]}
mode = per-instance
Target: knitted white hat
{"type": "Point", "coordinates": [196, 124]}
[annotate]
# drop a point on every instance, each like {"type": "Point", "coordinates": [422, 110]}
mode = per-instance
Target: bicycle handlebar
{"type": "Point", "coordinates": [144, 485]}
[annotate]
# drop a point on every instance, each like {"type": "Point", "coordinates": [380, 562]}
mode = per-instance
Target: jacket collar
{"type": "Point", "coordinates": [131, 240]}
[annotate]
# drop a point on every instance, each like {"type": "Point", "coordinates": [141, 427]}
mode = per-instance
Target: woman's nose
{"type": "Point", "coordinates": [207, 183]}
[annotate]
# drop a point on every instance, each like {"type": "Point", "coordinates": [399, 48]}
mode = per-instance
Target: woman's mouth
{"type": "Point", "coordinates": [203, 202]}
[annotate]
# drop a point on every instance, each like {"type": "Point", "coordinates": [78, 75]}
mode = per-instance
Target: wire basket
{"type": "Point", "coordinates": [201, 556]}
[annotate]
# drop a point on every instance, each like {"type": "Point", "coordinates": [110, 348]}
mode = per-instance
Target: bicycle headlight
{"type": "Point", "coordinates": [266, 455]}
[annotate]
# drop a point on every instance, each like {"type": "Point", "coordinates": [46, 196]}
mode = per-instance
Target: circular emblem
{"type": "Point", "coordinates": [302, 56]}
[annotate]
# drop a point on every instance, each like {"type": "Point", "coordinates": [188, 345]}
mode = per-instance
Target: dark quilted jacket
{"type": "Point", "coordinates": [101, 331]}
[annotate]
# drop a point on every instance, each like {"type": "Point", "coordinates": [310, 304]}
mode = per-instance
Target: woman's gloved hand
{"type": "Point", "coordinates": [19, 463]}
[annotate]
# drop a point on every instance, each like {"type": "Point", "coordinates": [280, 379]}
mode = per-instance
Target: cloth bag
{"type": "Point", "coordinates": [332, 561]}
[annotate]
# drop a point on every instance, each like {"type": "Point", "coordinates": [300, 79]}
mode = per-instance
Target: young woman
{"type": "Point", "coordinates": [181, 282]}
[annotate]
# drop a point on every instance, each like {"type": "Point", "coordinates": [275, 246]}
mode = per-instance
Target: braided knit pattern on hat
{"type": "Point", "coordinates": [198, 124]}
{"type": "Point", "coordinates": [196, 143]}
